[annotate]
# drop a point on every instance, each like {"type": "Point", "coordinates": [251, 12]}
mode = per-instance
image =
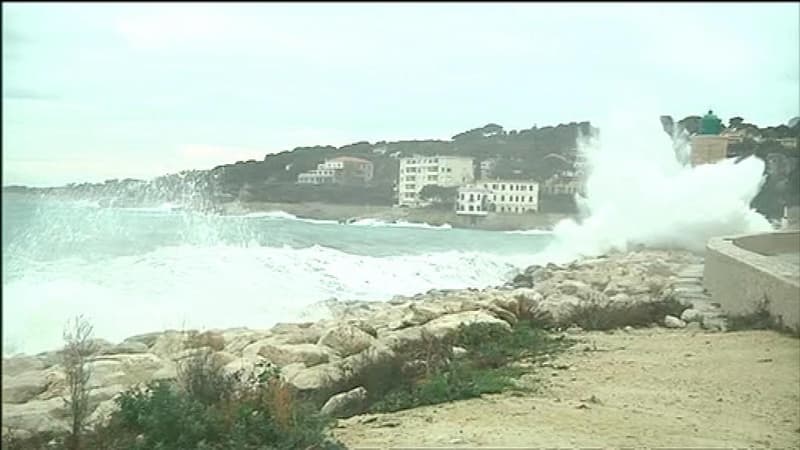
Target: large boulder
{"type": "Point", "coordinates": [296, 333]}
{"type": "Point", "coordinates": [125, 369]}
{"type": "Point", "coordinates": [23, 387]}
{"type": "Point", "coordinates": [169, 344]}
{"type": "Point", "coordinates": [210, 339]}
{"type": "Point", "coordinates": [345, 404]}
{"type": "Point", "coordinates": [21, 364]}
{"type": "Point", "coordinates": [449, 324]}
{"type": "Point", "coordinates": [235, 343]}
{"type": "Point", "coordinates": [323, 376]}
{"type": "Point", "coordinates": [346, 340]}
{"type": "Point", "coordinates": [36, 416]}
{"type": "Point", "coordinates": [284, 354]}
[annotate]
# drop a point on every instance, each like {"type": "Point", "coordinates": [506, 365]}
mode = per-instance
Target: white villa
{"type": "Point", "coordinates": [419, 171]}
{"type": "Point", "coordinates": [473, 201]}
{"type": "Point", "coordinates": [499, 196]}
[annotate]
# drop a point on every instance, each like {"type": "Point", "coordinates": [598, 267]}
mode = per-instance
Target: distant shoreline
{"type": "Point", "coordinates": [433, 217]}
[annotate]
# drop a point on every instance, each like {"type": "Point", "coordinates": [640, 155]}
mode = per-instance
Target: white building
{"type": "Point", "coordinates": [343, 169]}
{"type": "Point", "coordinates": [512, 196]}
{"type": "Point", "coordinates": [419, 171]}
{"type": "Point", "coordinates": [473, 201]}
{"type": "Point", "coordinates": [487, 167]}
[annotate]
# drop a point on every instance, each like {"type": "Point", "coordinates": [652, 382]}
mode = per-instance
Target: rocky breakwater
{"type": "Point", "coordinates": [329, 357]}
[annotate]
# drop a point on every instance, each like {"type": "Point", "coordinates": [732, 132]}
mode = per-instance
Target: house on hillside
{"type": "Point", "coordinates": [339, 170]}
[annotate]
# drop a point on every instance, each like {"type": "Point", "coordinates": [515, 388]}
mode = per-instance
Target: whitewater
{"type": "Point", "coordinates": [137, 270]}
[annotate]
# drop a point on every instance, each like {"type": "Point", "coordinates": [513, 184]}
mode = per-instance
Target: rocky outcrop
{"type": "Point", "coordinates": [330, 355]}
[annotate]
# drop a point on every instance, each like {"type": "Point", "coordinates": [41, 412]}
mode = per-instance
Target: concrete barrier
{"type": "Point", "coordinates": [743, 271]}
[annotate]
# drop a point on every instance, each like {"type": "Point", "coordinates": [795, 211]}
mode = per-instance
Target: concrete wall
{"type": "Point", "coordinates": [708, 149]}
{"type": "Point", "coordinates": [742, 271]}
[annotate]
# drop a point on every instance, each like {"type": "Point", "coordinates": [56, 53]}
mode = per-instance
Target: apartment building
{"type": "Point", "coordinates": [511, 196]}
{"type": "Point", "coordinates": [416, 172]}
{"type": "Point", "coordinates": [343, 169]}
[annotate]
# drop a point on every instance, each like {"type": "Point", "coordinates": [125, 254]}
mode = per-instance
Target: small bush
{"type": "Point", "coordinates": [209, 410]}
{"type": "Point", "coordinates": [484, 369]}
{"type": "Point", "coordinates": [594, 316]}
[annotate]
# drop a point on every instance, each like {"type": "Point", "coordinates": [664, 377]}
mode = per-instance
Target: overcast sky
{"type": "Point", "coordinates": [92, 92]}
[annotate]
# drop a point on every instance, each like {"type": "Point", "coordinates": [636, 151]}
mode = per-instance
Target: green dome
{"type": "Point", "coordinates": [710, 124]}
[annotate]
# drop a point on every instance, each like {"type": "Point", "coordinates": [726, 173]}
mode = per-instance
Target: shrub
{"type": "Point", "coordinates": [207, 409]}
{"type": "Point", "coordinates": [484, 369]}
{"type": "Point", "coordinates": [595, 316]}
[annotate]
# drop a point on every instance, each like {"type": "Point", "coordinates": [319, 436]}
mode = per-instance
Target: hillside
{"type": "Point", "coordinates": [518, 154]}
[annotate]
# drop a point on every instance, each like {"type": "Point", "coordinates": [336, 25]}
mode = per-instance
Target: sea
{"type": "Point", "coordinates": [137, 270]}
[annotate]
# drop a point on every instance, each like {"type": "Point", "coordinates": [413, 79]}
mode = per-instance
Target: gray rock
{"type": "Point", "coordinates": [126, 347]}
{"type": "Point", "coordinates": [448, 324]}
{"type": "Point", "coordinates": [345, 404]}
{"type": "Point", "coordinates": [692, 315]}
{"type": "Point", "coordinates": [346, 340]}
{"type": "Point", "coordinates": [36, 416]}
{"type": "Point", "coordinates": [308, 354]}
{"type": "Point", "coordinates": [21, 364]}
{"type": "Point", "coordinates": [674, 322]}
{"type": "Point", "coordinates": [24, 386]}
{"type": "Point", "coordinates": [323, 376]}
{"type": "Point", "coordinates": [714, 323]}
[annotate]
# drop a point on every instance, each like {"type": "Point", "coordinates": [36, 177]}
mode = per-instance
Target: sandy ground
{"type": "Point", "coordinates": [653, 387]}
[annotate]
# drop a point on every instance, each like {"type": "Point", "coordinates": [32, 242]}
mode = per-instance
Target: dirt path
{"type": "Point", "coordinates": [651, 387]}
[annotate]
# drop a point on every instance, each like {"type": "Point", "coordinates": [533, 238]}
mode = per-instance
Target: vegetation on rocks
{"type": "Point", "coordinates": [204, 409]}
{"type": "Point", "coordinates": [483, 368]}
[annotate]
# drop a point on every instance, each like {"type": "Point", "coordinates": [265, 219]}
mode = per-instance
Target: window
{"type": "Point", "coordinates": [502, 187]}
{"type": "Point", "coordinates": [411, 178]}
{"type": "Point", "coordinates": [432, 177]}
{"type": "Point", "coordinates": [530, 199]}
{"type": "Point", "coordinates": [494, 186]}
{"type": "Point", "coordinates": [436, 160]}
{"type": "Point", "coordinates": [471, 197]}
{"type": "Point", "coordinates": [471, 208]}
{"type": "Point", "coordinates": [502, 198]}
{"type": "Point", "coordinates": [494, 197]}
{"type": "Point", "coordinates": [461, 196]}
{"type": "Point", "coordinates": [478, 208]}
{"type": "Point", "coordinates": [530, 188]}
{"type": "Point", "coordinates": [410, 186]}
